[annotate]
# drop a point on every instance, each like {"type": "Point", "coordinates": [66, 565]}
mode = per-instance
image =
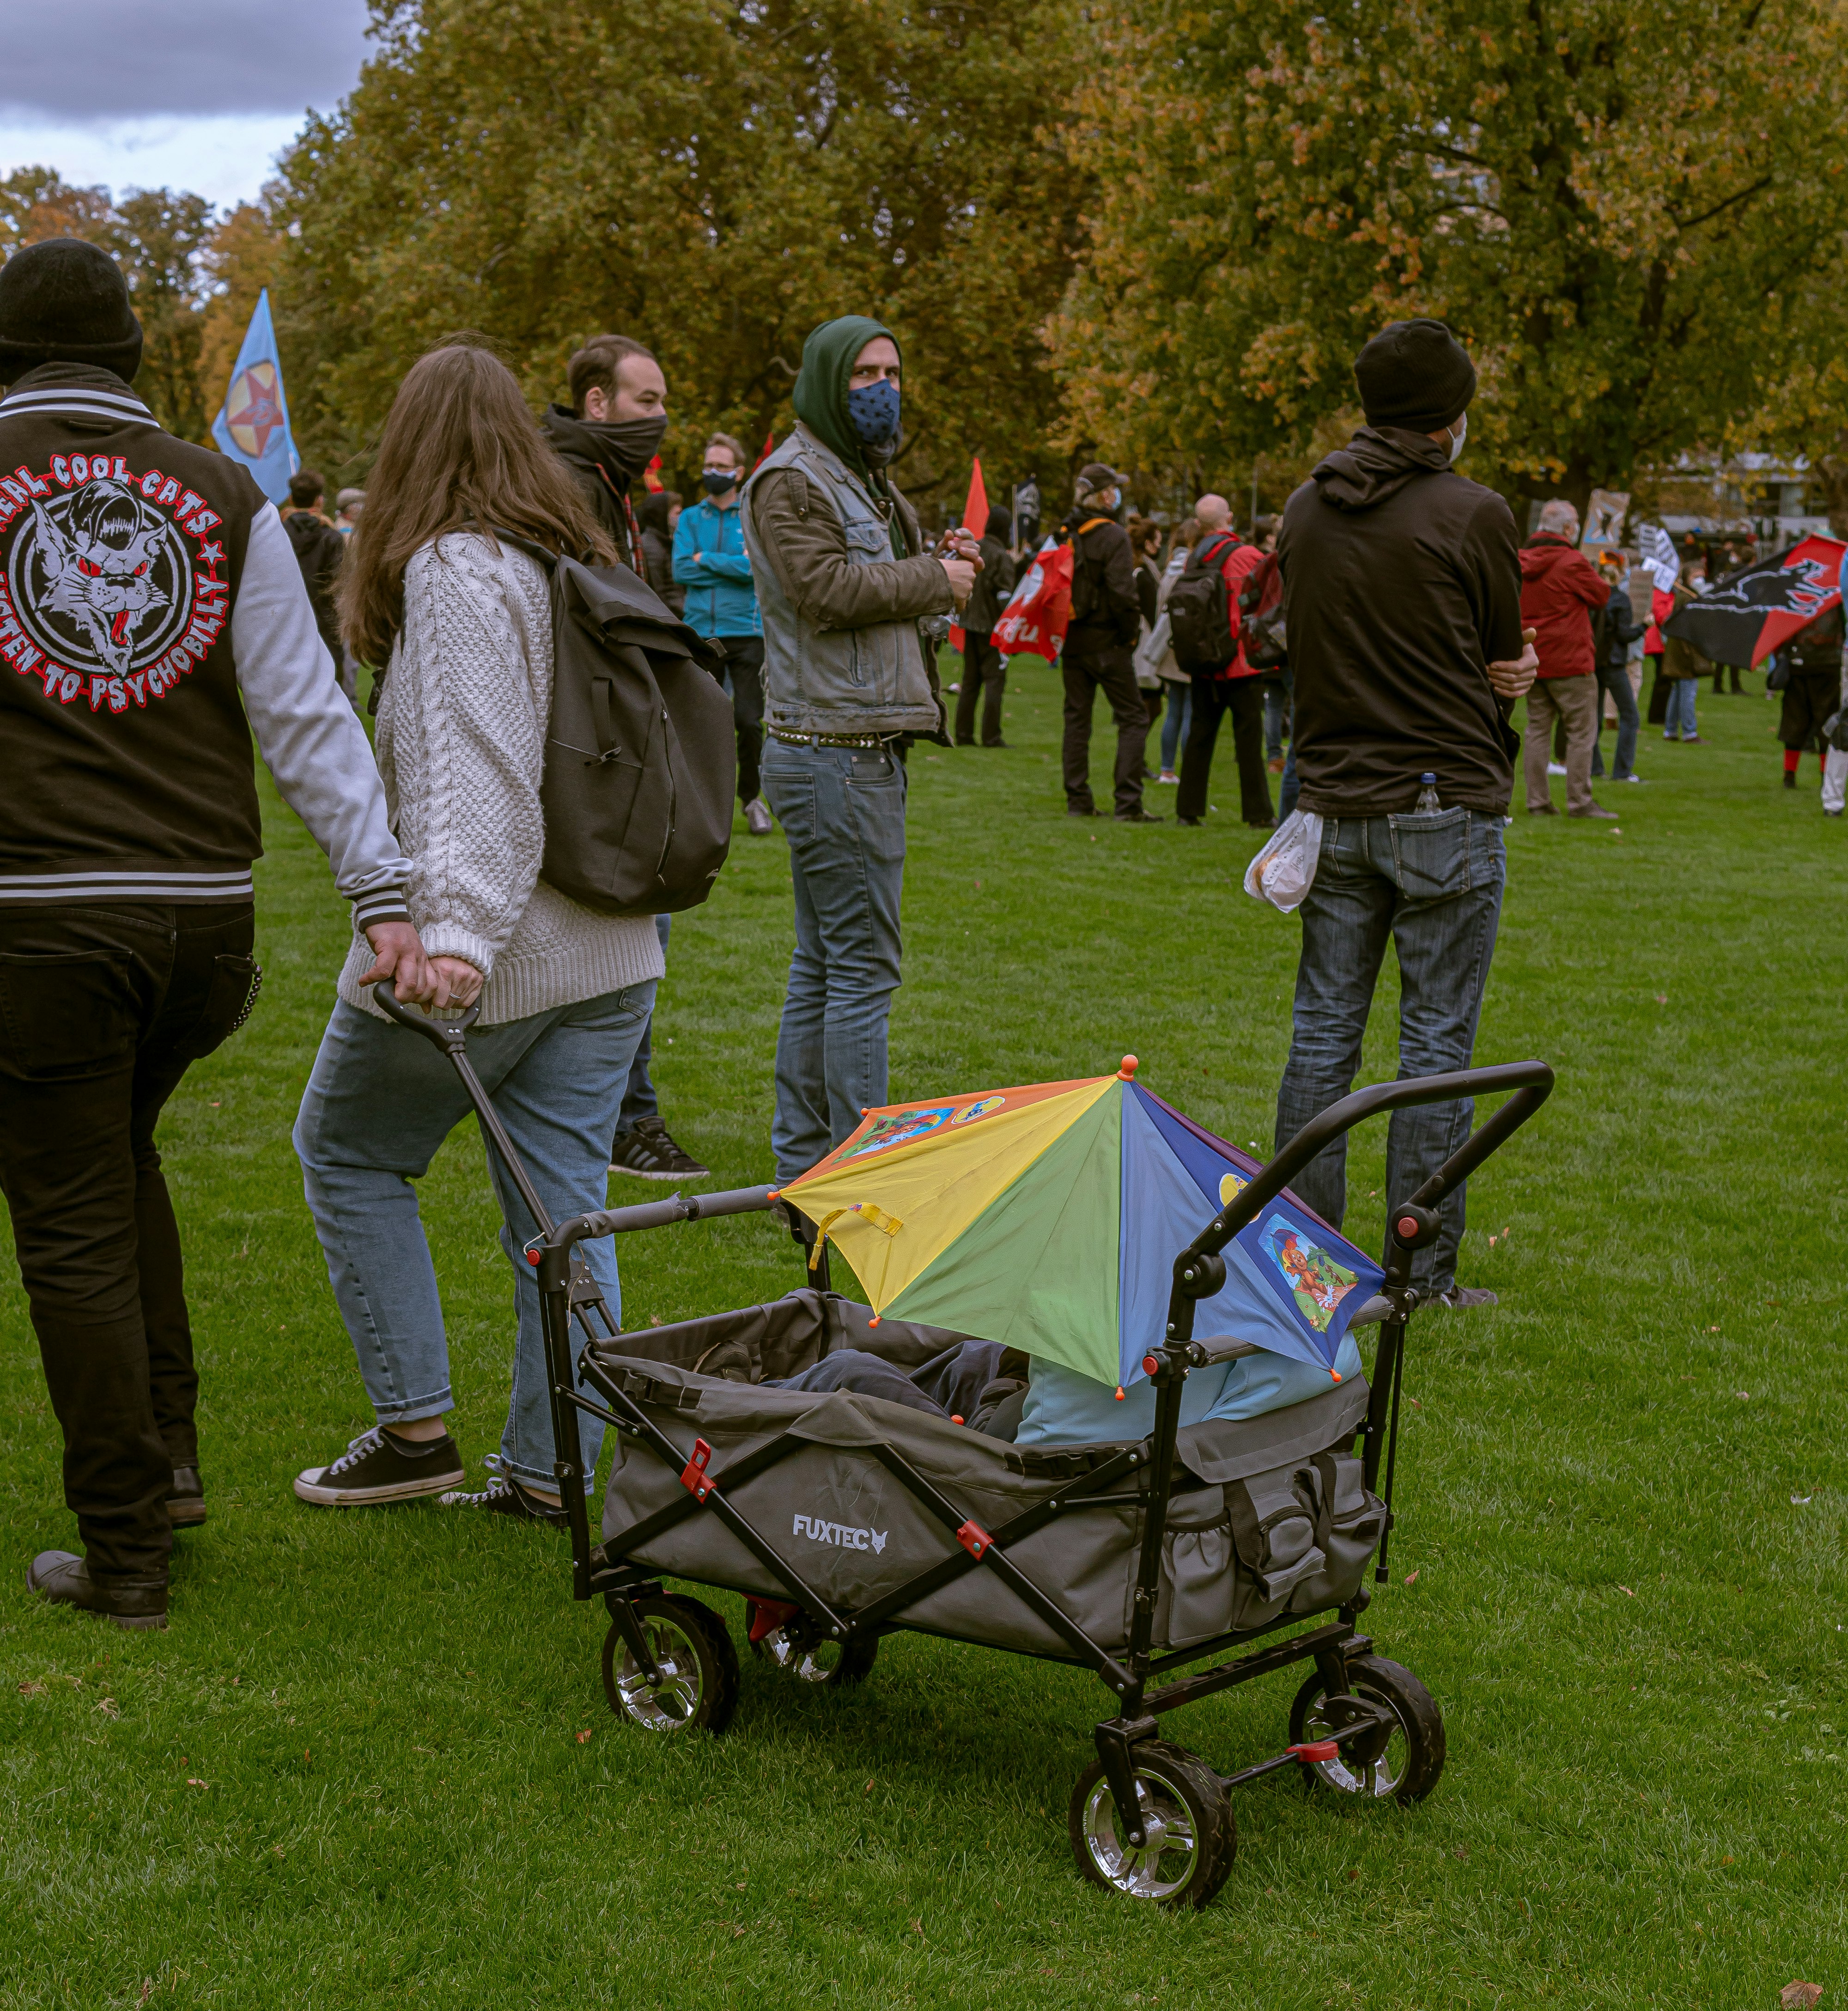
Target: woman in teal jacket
{"type": "Point", "coordinates": [721, 602]}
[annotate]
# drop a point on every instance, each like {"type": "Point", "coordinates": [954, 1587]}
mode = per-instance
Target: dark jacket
{"type": "Point", "coordinates": [1616, 626]}
{"type": "Point", "coordinates": [1560, 587]}
{"type": "Point", "coordinates": [1402, 584]}
{"type": "Point", "coordinates": [1104, 587]}
{"type": "Point", "coordinates": [1816, 651]}
{"type": "Point", "coordinates": [582, 447]}
{"type": "Point", "coordinates": [319, 549]}
{"type": "Point", "coordinates": [657, 558]}
{"type": "Point", "coordinates": [994, 588]}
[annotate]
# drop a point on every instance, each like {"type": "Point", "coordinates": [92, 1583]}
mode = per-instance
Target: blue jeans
{"type": "Point", "coordinates": [1431, 883]}
{"type": "Point", "coordinates": [639, 1099]}
{"type": "Point", "coordinates": [842, 809]}
{"type": "Point", "coordinates": [1277, 687]}
{"type": "Point", "coordinates": [380, 1102]}
{"type": "Point", "coordinates": [1181, 704]}
{"type": "Point", "coordinates": [1616, 681]}
{"type": "Point", "coordinates": [1289, 789]}
{"type": "Point", "coordinates": [946, 1386]}
{"type": "Point", "coordinates": [1678, 722]}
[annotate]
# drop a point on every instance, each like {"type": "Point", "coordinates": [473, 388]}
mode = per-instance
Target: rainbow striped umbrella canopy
{"type": "Point", "coordinates": [1049, 1217]}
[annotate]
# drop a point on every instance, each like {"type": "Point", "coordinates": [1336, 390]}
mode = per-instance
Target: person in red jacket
{"type": "Point", "coordinates": [1225, 684]}
{"type": "Point", "coordinates": [1559, 586]}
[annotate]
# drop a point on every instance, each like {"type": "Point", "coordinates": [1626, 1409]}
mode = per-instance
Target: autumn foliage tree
{"type": "Point", "coordinates": [712, 178]}
{"type": "Point", "coordinates": [1628, 213]}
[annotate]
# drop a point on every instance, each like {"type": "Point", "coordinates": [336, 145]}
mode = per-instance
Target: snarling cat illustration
{"type": "Point", "coordinates": [104, 566]}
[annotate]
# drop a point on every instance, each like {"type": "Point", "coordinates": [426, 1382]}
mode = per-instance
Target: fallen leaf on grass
{"type": "Point", "coordinates": [195, 1784]}
{"type": "Point", "coordinates": [1352, 1876]}
{"type": "Point", "coordinates": [1626, 1592]}
{"type": "Point", "coordinates": [1411, 1578]}
{"type": "Point", "coordinates": [583, 1738]}
{"type": "Point", "coordinates": [869, 1787]}
{"type": "Point", "coordinates": [1661, 999]}
{"type": "Point", "coordinates": [738, 1933]}
{"type": "Point", "coordinates": [654, 1319]}
{"type": "Point", "coordinates": [109, 1707]}
{"type": "Point", "coordinates": [32, 1689]}
{"type": "Point", "coordinates": [1799, 1996]}
{"type": "Point", "coordinates": [917, 1927]}
{"type": "Point", "coordinates": [1744, 1396]}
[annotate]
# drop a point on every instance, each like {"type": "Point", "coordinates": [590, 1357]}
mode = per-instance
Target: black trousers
{"type": "Point", "coordinates": [984, 672]}
{"type": "Point", "coordinates": [101, 1011]}
{"type": "Point", "coordinates": [744, 664]}
{"type": "Point", "coordinates": [1214, 696]}
{"type": "Point", "coordinates": [1087, 668]}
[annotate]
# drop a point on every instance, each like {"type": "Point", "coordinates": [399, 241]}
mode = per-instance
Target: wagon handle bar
{"type": "Point", "coordinates": [1531, 1081]}
{"type": "Point", "coordinates": [447, 1035]}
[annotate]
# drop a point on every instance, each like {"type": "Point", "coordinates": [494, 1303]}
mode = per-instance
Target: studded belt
{"type": "Point", "coordinates": [831, 739]}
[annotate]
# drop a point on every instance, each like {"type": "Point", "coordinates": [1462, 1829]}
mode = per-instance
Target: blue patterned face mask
{"type": "Point", "coordinates": [873, 409]}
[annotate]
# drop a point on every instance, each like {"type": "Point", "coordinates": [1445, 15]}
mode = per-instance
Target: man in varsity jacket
{"type": "Point", "coordinates": [152, 616]}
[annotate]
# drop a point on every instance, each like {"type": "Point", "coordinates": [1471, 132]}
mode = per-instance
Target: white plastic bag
{"type": "Point", "coordinates": [1153, 651]}
{"type": "Point", "coordinates": [1284, 871]}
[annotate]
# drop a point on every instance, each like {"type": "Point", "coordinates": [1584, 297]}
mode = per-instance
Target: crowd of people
{"type": "Point", "coordinates": [159, 611]}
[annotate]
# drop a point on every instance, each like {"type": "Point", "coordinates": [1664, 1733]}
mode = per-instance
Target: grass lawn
{"type": "Point", "coordinates": [354, 1772]}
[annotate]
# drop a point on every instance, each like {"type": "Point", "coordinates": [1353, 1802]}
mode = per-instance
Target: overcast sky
{"type": "Point", "coordinates": [198, 94]}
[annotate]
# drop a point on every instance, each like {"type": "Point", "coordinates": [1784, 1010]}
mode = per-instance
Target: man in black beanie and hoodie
{"type": "Point", "coordinates": [152, 616]}
{"type": "Point", "coordinates": [1402, 599]}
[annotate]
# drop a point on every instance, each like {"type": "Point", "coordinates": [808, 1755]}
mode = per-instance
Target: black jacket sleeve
{"type": "Point", "coordinates": [1490, 559]}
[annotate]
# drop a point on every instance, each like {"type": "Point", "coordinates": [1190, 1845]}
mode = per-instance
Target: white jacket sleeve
{"type": "Point", "coordinates": [308, 734]}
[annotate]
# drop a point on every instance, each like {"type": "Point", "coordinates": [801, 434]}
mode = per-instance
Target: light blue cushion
{"type": "Point", "coordinates": [1063, 1408]}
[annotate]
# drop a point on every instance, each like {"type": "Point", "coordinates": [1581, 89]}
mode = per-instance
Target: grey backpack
{"type": "Point", "coordinates": [641, 757]}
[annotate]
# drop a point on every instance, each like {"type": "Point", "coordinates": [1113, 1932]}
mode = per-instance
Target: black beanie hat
{"type": "Point", "coordinates": [65, 301]}
{"type": "Point", "coordinates": [1415, 373]}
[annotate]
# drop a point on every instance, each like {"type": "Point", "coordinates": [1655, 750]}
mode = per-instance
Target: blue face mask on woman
{"type": "Point", "coordinates": [873, 410]}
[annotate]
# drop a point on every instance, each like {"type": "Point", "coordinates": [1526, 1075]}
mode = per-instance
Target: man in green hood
{"type": "Point", "coordinates": [843, 579]}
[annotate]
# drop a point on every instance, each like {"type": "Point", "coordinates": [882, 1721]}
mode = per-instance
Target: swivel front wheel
{"type": "Point", "coordinates": [696, 1685]}
{"type": "Point", "coordinates": [1400, 1762]}
{"type": "Point", "coordinates": [1189, 1837]}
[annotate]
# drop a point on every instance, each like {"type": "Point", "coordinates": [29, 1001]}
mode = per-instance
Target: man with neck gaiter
{"type": "Point", "coordinates": [611, 431]}
{"type": "Point", "coordinates": [843, 579]}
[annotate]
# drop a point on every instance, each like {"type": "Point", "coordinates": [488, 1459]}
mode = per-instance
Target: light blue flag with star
{"type": "Point", "coordinates": [253, 425]}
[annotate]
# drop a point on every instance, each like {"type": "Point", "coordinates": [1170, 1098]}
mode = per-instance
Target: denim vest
{"type": "Point", "coordinates": [833, 680]}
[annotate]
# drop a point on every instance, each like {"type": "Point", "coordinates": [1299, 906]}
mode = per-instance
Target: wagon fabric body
{"type": "Point", "coordinates": [842, 1518]}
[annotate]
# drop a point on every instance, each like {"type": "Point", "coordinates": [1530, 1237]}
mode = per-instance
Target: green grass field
{"type": "Point", "coordinates": [355, 1773]}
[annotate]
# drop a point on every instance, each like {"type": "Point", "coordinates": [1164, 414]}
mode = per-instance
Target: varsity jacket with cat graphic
{"type": "Point", "coordinates": [152, 615]}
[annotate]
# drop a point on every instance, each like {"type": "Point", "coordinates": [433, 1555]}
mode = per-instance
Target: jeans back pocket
{"type": "Point", "coordinates": [1430, 853]}
{"type": "Point", "coordinates": [68, 1015]}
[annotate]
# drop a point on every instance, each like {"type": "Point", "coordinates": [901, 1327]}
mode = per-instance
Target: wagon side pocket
{"type": "Point", "coordinates": [1198, 1587]}
{"type": "Point", "coordinates": [1349, 1522]}
{"type": "Point", "coordinates": [1272, 1519]}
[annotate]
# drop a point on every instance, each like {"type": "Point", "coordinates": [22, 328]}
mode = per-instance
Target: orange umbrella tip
{"type": "Point", "coordinates": [1120, 1393]}
{"type": "Point", "coordinates": [1127, 1071]}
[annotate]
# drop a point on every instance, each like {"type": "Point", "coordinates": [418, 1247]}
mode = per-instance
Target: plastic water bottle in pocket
{"type": "Point", "coordinates": [1427, 796]}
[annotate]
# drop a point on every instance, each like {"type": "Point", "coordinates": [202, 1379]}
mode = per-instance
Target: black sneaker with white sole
{"type": "Point", "coordinates": [649, 1152]}
{"type": "Point", "coordinates": [504, 1496]}
{"type": "Point", "coordinates": [378, 1467]}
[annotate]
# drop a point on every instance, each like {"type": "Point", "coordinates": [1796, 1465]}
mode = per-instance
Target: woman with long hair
{"type": "Point", "coordinates": [462, 623]}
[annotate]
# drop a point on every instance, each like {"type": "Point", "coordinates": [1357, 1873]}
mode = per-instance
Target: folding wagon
{"type": "Point", "coordinates": [843, 1517]}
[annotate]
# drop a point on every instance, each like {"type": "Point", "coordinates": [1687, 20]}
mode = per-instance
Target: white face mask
{"type": "Point", "coordinates": [1457, 438]}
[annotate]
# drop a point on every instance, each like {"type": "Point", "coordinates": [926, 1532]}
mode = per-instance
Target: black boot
{"type": "Point", "coordinates": [185, 1504]}
{"type": "Point", "coordinates": [129, 1602]}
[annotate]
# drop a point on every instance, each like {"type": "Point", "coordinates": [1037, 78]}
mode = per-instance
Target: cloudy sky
{"type": "Point", "coordinates": [197, 94]}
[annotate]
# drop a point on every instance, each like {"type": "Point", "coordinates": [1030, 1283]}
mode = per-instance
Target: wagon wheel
{"type": "Point", "coordinates": [1405, 1766]}
{"type": "Point", "coordinates": [698, 1668]}
{"type": "Point", "coordinates": [1192, 1837]}
{"type": "Point", "coordinates": [795, 1648]}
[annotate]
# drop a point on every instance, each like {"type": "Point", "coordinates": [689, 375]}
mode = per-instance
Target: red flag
{"type": "Point", "coordinates": [769, 449]}
{"type": "Point", "coordinates": [651, 475]}
{"type": "Point", "coordinates": [975, 520]}
{"type": "Point", "coordinates": [1034, 623]}
{"type": "Point", "coordinates": [1743, 618]}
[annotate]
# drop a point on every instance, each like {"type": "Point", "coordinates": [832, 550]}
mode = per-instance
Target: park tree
{"type": "Point", "coordinates": [1631, 215]}
{"type": "Point", "coordinates": [157, 236]}
{"type": "Point", "coordinates": [713, 177]}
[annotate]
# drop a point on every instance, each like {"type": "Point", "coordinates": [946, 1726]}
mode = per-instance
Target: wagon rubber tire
{"type": "Point", "coordinates": [855, 1662]}
{"type": "Point", "coordinates": [1408, 1770]}
{"type": "Point", "coordinates": [1191, 1863]}
{"type": "Point", "coordinates": [691, 1642]}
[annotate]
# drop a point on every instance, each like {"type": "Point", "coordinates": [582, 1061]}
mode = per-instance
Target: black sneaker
{"type": "Point", "coordinates": [185, 1499]}
{"type": "Point", "coordinates": [379, 1466]}
{"type": "Point", "coordinates": [503, 1496]}
{"type": "Point", "coordinates": [1461, 1299]}
{"type": "Point", "coordinates": [650, 1154]}
{"type": "Point", "coordinates": [65, 1580]}
{"type": "Point", "coordinates": [1139, 816]}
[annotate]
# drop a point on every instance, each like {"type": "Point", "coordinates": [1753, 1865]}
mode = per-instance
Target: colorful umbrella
{"type": "Point", "coordinates": [1048, 1218]}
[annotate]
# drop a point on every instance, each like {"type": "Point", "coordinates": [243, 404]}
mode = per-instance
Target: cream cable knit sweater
{"type": "Point", "coordinates": [460, 744]}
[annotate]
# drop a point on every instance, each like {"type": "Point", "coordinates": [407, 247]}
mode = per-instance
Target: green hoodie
{"type": "Point", "coordinates": [821, 397]}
